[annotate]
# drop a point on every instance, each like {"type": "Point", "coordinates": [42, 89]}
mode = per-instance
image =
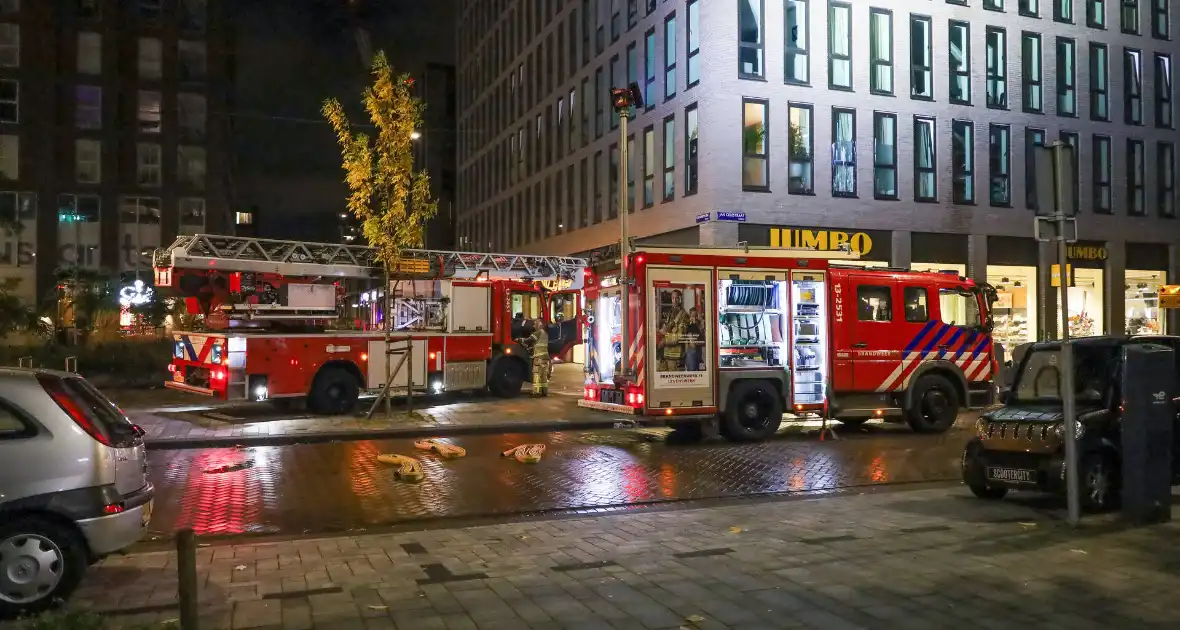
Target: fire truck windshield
{"type": "Point", "coordinates": [960, 308]}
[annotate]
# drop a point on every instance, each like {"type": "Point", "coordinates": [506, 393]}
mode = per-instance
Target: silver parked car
{"type": "Point", "coordinates": [73, 485]}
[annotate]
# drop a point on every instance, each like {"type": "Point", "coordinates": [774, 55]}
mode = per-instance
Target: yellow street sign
{"type": "Point", "coordinates": [1055, 275]}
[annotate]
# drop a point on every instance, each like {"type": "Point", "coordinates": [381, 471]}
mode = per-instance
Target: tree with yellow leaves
{"type": "Point", "coordinates": [391, 200]}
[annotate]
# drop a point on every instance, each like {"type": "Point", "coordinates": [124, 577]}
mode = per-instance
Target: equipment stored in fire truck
{"type": "Point", "coordinates": [726, 340]}
{"type": "Point", "coordinates": [288, 320]}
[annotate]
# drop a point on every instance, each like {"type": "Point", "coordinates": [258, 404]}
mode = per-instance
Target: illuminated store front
{"type": "Point", "coordinates": [1147, 265]}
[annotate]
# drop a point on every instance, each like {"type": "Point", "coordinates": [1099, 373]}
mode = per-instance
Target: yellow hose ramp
{"type": "Point", "coordinates": [525, 453]}
{"type": "Point", "coordinates": [442, 449]}
{"type": "Point", "coordinates": [408, 468]}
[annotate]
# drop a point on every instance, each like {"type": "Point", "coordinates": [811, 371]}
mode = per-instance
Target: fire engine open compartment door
{"type": "Point", "coordinates": [416, 364]}
{"type": "Point", "coordinates": [810, 339]}
{"type": "Point", "coordinates": [678, 338]}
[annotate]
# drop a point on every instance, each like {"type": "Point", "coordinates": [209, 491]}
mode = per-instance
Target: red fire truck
{"type": "Point", "coordinates": [727, 339]}
{"type": "Point", "coordinates": [288, 319]}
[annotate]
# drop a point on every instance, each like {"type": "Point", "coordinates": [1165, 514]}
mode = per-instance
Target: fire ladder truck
{"type": "Point", "coordinates": [287, 320]}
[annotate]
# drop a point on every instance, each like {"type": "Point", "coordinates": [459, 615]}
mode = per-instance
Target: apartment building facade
{"type": "Point", "coordinates": [113, 133]}
{"type": "Point", "coordinates": [904, 128]}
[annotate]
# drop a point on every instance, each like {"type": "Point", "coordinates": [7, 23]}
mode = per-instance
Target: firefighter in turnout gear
{"type": "Point", "coordinates": [674, 324]}
{"type": "Point", "coordinates": [540, 342]}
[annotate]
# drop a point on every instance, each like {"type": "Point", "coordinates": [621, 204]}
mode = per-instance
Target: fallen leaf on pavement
{"type": "Point", "coordinates": [375, 607]}
{"type": "Point", "coordinates": [694, 619]}
{"type": "Point", "coordinates": [240, 567]}
{"type": "Point", "coordinates": [735, 530]}
{"type": "Point", "coordinates": [1081, 551]}
{"type": "Point", "coordinates": [1028, 524]}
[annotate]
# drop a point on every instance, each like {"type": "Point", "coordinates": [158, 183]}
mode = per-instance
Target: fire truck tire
{"type": "Point", "coordinates": [934, 405]}
{"type": "Point", "coordinates": [334, 391]}
{"type": "Point", "coordinates": [507, 379]}
{"type": "Point", "coordinates": [753, 412]}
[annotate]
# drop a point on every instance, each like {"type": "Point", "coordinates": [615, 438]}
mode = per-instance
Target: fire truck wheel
{"type": "Point", "coordinates": [507, 379]}
{"type": "Point", "coordinates": [753, 412]}
{"type": "Point", "coordinates": [334, 391]}
{"type": "Point", "coordinates": [934, 406]}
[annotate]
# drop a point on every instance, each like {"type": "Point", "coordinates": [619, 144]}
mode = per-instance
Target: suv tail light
{"type": "Point", "coordinates": [77, 412]}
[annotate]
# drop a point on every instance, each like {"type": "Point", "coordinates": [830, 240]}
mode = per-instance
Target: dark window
{"type": "Point", "coordinates": [1132, 87]}
{"type": "Point", "coordinates": [691, 131]}
{"type": "Point", "coordinates": [839, 45]}
{"type": "Point", "coordinates": [1160, 19]}
{"type": "Point", "coordinates": [1031, 8]}
{"type": "Point", "coordinates": [751, 35]}
{"type": "Point", "coordinates": [1071, 138]}
{"type": "Point", "coordinates": [1099, 82]}
{"type": "Point", "coordinates": [693, 43]}
{"type": "Point", "coordinates": [1063, 11]}
{"type": "Point", "coordinates": [1102, 196]}
{"type": "Point", "coordinates": [1129, 16]}
{"type": "Point", "coordinates": [963, 161]}
{"type": "Point", "coordinates": [1031, 79]}
{"type": "Point", "coordinates": [1165, 178]}
{"type": "Point", "coordinates": [880, 51]}
{"type": "Point", "coordinates": [1067, 100]}
{"type": "Point", "coordinates": [1032, 138]}
{"type": "Point", "coordinates": [916, 307]}
{"type": "Point", "coordinates": [993, 5]}
{"type": "Point", "coordinates": [800, 162]}
{"type": "Point", "coordinates": [612, 176]}
{"type": "Point", "coordinates": [997, 67]}
{"type": "Point", "coordinates": [921, 58]}
{"type": "Point", "coordinates": [925, 179]}
{"type": "Point", "coordinates": [649, 69]}
{"type": "Point", "coordinates": [884, 156]}
{"type": "Point", "coordinates": [1163, 90]}
{"type": "Point", "coordinates": [999, 158]}
{"type": "Point", "coordinates": [755, 149]}
{"type": "Point", "coordinates": [960, 62]}
{"type": "Point", "coordinates": [874, 304]}
{"type": "Point", "coordinates": [1135, 177]}
{"type": "Point", "coordinates": [669, 158]}
{"type": "Point", "coordinates": [1096, 13]}
{"type": "Point", "coordinates": [796, 33]}
{"type": "Point", "coordinates": [843, 152]}
{"type": "Point", "coordinates": [670, 56]}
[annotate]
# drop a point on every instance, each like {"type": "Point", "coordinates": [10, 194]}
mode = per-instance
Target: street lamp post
{"type": "Point", "coordinates": [623, 99]}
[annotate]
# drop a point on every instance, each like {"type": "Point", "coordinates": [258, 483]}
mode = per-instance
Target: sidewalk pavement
{"type": "Point", "coordinates": [927, 558]}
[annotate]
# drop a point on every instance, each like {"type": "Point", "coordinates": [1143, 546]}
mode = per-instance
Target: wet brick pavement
{"type": "Point", "coordinates": [927, 559]}
{"type": "Point", "coordinates": [341, 486]}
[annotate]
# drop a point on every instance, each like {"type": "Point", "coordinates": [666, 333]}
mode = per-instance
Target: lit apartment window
{"type": "Point", "coordinates": [87, 106]}
{"type": "Point", "coordinates": [149, 111]}
{"type": "Point", "coordinates": [244, 218]}
{"type": "Point", "coordinates": [1030, 53]}
{"type": "Point", "coordinates": [9, 101]}
{"type": "Point", "coordinates": [963, 161]}
{"type": "Point", "coordinates": [670, 56]}
{"type": "Point", "coordinates": [843, 152]}
{"type": "Point", "coordinates": [997, 67]}
{"type": "Point", "coordinates": [1063, 11]}
{"type": "Point", "coordinates": [798, 62]}
{"type": "Point", "coordinates": [1033, 138]}
{"type": "Point", "coordinates": [800, 163]}
{"type": "Point", "coordinates": [1129, 16]}
{"type": "Point", "coordinates": [880, 51]}
{"type": "Point", "coordinates": [1096, 13]}
{"type": "Point", "coordinates": [1102, 170]}
{"type": "Point", "coordinates": [9, 157]}
{"type": "Point", "coordinates": [148, 164]}
{"type": "Point", "coordinates": [89, 56]}
{"type": "Point", "coordinates": [751, 30]}
{"type": "Point", "coordinates": [1099, 82]}
{"type": "Point", "coordinates": [1031, 8]}
{"type": "Point", "coordinates": [839, 45]}
{"type": "Point", "coordinates": [9, 45]}
{"type": "Point", "coordinates": [649, 166]}
{"type": "Point", "coordinates": [999, 165]}
{"type": "Point", "coordinates": [921, 58]}
{"type": "Point", "coordinates": [925, 178]}
{"type": "Point", "coordinates": [1132, 87]}
{"type": "Point", "coordinates": [649, 69]}
{"type": "Point", "coordinates": [1135, 178]}
{"type": "Point", "coordinates": [1067, 98]}
{"type": "Point", "coordinates": [1161, 22]}
{"type": "Point", "coordinates": [88, 161]}
{"type": "Point", "coordinates": [693, 43]}
{"type": "Point", "coordinates": [755, 154]}
{"type": "Point", "coordinates": [960, 62]}
{"type": "Point", "coordinates": [884, 156]}
{"type": "Point", "coordinates": [691, 131]}
{"type": "Point", "coordinates": [1165, 178]}
{"type": "Point", "coordinates": [151, 58]}
{"type": "Point", "coordinates": [190, 166]}
{"type": "Point", "coordinates": [1163, 90]}
{"type": "Point", "coordinates": [669, 158]}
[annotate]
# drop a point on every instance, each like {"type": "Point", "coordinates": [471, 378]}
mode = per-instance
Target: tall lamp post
{"type": "Point", "coordinates": [623, 99]}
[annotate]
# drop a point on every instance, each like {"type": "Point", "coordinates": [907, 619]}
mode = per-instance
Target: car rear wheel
{"type": "Point", "coordinates": [334, 391]}
{"type": "Point", "coordinates": [41, 563]}
{"type": "Point", "coordinates": [934, 406]}
{"type": "Point", "coordinates": [753, 412]}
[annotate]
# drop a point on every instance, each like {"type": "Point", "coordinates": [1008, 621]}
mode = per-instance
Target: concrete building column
{"type": "Point", "coordinates": [1047, 299]}
{"type": "Point", "coordinates": [977, 257]}
{"type": "Point", "coordinates": [1114, 280]}
{"type": "Point", "coordinates": [1173, 314]}
{"type": "Point", "coordinates": [902, 250]}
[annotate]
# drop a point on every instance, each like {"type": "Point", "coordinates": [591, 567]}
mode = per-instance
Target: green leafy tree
{"type": "Point", "coordinates": [391, 200]}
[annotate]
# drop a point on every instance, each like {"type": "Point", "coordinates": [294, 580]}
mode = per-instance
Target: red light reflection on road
{"type": "Point", "coordinates": [220, 502]}
{"type": "Point", "coordinates": [667, 480]}
{"type": "Point", "coordinates": [877, 470]}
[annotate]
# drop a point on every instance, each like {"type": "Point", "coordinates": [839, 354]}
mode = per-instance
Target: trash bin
{"type": "Point", "coordinates": [1149, 383]}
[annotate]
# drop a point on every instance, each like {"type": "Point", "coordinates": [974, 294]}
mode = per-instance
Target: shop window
{"type": "Point", "coordinates": [1086, 300]}
{"type": "Point", "coordinates": [874, 304]}
{"type": "Point", "coordinates": [959, 308]}
{"type": "Point", "coordinates": [916, 309]}
{"type": "Point", "coordinates": [1015, 308]}
{"type": "Point", "coordinates": [1141, 301]}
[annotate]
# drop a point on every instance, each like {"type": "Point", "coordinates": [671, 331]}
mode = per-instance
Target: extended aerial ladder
{"type": "Point", "coordinates": [214, 266]}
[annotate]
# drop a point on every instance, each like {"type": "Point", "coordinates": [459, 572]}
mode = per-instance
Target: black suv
{"type": "Point", "coordinates": [1021, 445]}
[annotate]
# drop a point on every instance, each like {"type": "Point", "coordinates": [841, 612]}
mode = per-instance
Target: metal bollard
{"type": "Point", "coordinates": [72, 365]}
{"type": "Point", "coordinates": [186, 570]}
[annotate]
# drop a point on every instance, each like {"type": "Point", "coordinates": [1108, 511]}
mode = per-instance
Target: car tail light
{"type": "Point", "coordinates": [171, 367]}
{"type": "Point", "coordinates": [113, 508]}
{"type": "Point", "coordinates": [81, 417]}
